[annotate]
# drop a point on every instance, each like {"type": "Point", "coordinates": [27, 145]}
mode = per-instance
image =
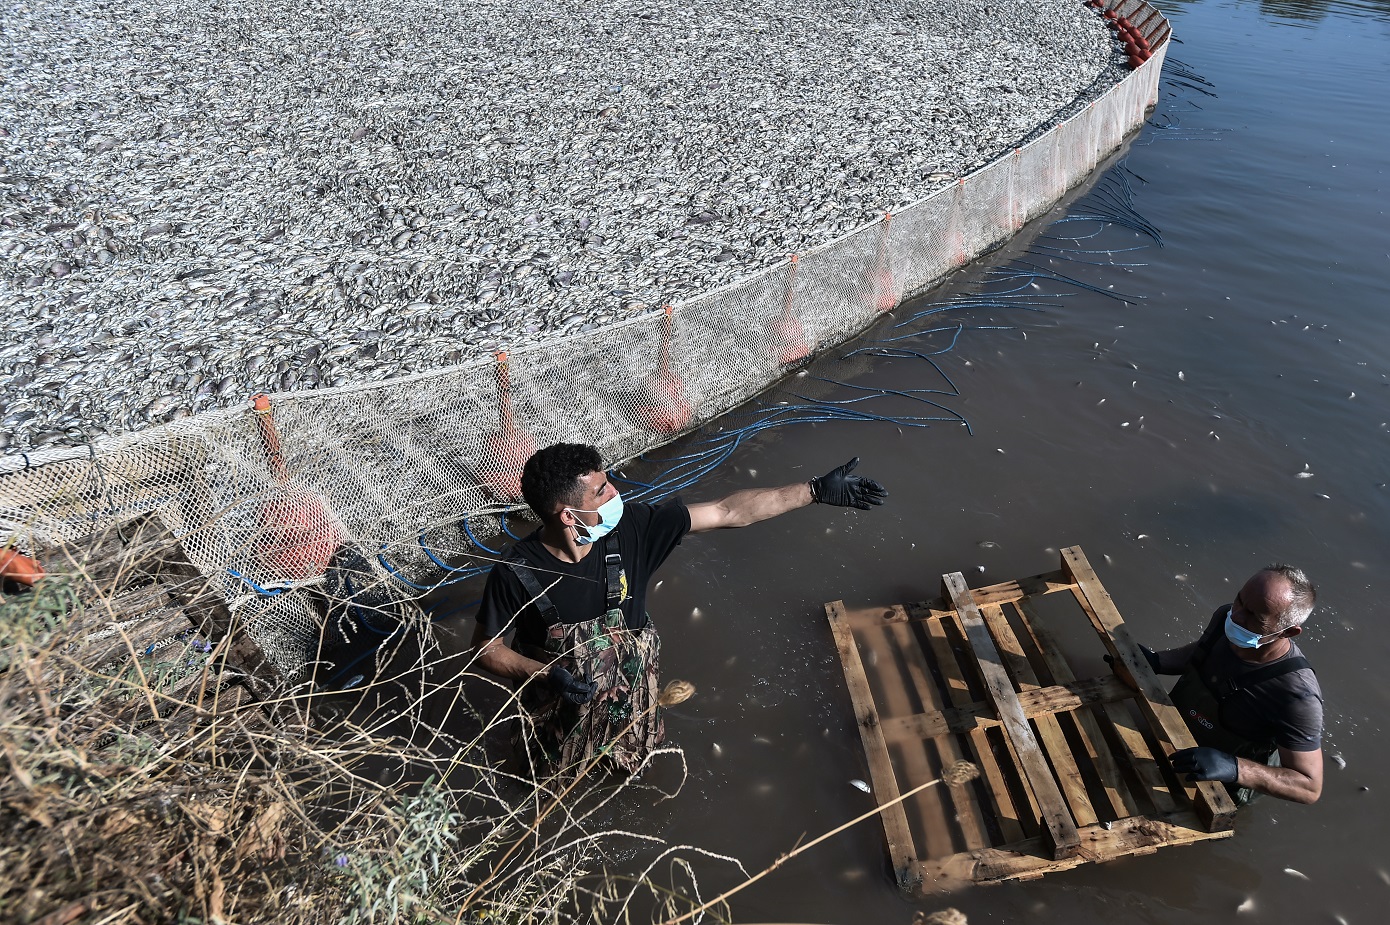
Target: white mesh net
{"type": "Point", "coordinates": [423, 462]}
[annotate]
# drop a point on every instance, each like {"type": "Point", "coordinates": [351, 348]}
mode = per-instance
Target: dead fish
{"type": "Point", "coordinates": [1295, 873]}
{"type": "Point", "coordinates": [862, 785]}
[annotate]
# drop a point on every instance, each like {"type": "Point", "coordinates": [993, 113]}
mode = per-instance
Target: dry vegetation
{"type": "Point", "coordinates": [143, 789]}
{"type": "Point", "coordinates": [142, 783]}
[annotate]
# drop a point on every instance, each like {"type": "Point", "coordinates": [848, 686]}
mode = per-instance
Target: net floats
{"type": "Point", "coordinates": [298, 533]}
{"type": "Point", "coordinates": [506, 449]}
{"type": "Point", "coordinates": [661, 405]}
{"type": "Point", "coordinates": [1136, 47]}
{"type": "Point", "coordinates": [883, 285]}
{"type": "Point", "coordinates": [789, 343]}
{"type": "Point", "coordinates": [19, 568]}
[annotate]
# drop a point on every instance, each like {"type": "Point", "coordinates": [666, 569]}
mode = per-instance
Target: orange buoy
{"type": "Point", "coordinates": [884, 290]}
{"type": "Point", "coordinates": [506, 449]}
{"type": "Point", "coordinates": [661, 403]}
{"type": "Point", "coordinates": [788, 335]}
{"type": "Point", "coordinates": [298, 534]}
{"type": "Point", "coordinates": [20, 568]}
{"type": "Point", "coordinates": [789, 339]}
{"type": "Point", "coordinates": [883, 287]}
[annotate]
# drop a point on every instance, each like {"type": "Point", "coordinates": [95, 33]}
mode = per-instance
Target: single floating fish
{"type": "Point", "coordinates": [861, 785]}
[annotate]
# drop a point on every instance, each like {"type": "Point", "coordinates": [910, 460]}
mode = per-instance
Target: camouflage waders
{"type": "Point", "coordinates": [1201, 697]}
{"type": "Point", "coordinates": [563, 737]}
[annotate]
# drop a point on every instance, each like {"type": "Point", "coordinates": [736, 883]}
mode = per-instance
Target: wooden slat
{"type": "Point", "coordinates": [1116, 790]}
{"type": "Point", "coordinates": [1056, 820]}
{"type": "Point", "coordinates": [915, 763]}
{"type": "Point", "coordinates": [958, 692]}
{"type": "Point", "coordinates": [1140, 757]}
{"type": "Point", "coordinates": [1212, 802]}
{"type": "Point", "coordinates": [1002, 593]}
{"type": "Point", "coordinates": [1054, 741]}
{"type": "Point", "coordinates": [895, 827]}
{"type": "Point", "coordinates": [1025, 860]}
{"type": "Point", "coordinates": [1058, 698]}
{"type": "Point", "coordinates": [968, 813]}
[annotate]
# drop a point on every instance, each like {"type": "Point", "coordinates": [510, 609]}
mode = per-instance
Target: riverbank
{"type": "Point", "coordinates": [201, 202]}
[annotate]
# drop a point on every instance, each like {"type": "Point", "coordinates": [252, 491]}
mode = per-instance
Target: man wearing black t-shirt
{"type": "Point", "coordinates": [1249, 696]}
{"type": "Point", "coordinates": [585, 653]}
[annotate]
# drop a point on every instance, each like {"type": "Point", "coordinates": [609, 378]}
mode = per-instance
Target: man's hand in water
{"type": "Point", "coordinates": [841, 489]}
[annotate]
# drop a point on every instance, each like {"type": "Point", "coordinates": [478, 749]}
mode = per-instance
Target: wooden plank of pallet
{"type": "Point", "coordinates": [1063, 840]}
{"type": "Point", "coordinates": [915, 762]}
{"type": "Point", "coordinates": [1004, 592]}
{"type": "Point", "coordinates": [958, 692]}
{"type": "Point", "coordinates": [895, 827]}
{"type": "Point", "coordinates": [1116, 790]}
{"type": "Point", "coordinates": [1141, 757]}
{"type": "Point", "coordinates": [1057, 698]}
{"type": "Point", "coordinates": [1024, 860]}
{"type": "Point", "coordinates": [1054, 741]}
{"type": "Point", "coordinates": [1212, 802]}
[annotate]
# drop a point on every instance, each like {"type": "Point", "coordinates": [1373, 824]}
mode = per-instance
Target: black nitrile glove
{"type": "Point", "coordinates": [1206, 764]}
{"type": "Point", "coordinates": [841, 489]}
{"type": "Point", "coordinates": [575, 690]}
{"type": "Point", "coordinates": [1149, 654]}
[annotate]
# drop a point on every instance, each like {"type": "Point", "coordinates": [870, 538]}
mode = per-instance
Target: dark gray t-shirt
{"type": "Point", "coordinates": [1286, 709]}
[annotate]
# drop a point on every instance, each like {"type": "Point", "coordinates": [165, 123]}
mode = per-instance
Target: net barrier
{"type": "Point", "coordinates": [414, 471]}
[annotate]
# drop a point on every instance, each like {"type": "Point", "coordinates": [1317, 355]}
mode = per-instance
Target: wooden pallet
{"type": "Point", "coordinates": [1072, 770]}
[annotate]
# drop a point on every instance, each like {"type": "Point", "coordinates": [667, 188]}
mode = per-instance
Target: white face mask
{"type": "Point", "coordinates": [1240, 636]}
{"type": "Point", "coordinates": [609, 513]}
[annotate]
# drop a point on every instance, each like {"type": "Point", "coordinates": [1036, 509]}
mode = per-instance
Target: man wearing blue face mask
{"type": "Point", "coordinates": [585, 654]}
{"type": "Point", "coordinates": [1249, 696]}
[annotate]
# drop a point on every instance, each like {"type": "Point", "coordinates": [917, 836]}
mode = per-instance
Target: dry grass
{"type": "Point", "coordinates": [144, 790]}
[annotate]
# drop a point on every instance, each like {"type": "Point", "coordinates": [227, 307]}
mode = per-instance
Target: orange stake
{"type": "Point", "coordinates": [506, 449]}
{"type": "Point", "coordinates": [662, 406]}
{"type": "Point", "coordinates": [884, 288]}
{"type": "Point", "coordinates": [788, 335]}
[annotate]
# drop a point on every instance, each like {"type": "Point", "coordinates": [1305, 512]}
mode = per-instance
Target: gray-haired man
{"type": "Point", "coordinates": [1249, 696]}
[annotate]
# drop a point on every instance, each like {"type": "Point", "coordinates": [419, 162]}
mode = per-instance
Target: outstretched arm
{"type": "Point", "coordinates": [748, 507]}
{"type": "Point", "coordinates": [837, 487]}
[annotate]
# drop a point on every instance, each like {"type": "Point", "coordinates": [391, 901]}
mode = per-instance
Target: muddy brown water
{"type": "Point", "coordinates": [1166, 436]}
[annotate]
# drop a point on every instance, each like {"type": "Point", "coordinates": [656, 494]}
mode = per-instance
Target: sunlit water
{"type": "Point", "coordinates": [1166, 437]}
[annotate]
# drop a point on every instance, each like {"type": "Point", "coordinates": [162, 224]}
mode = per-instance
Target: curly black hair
{"type": "Point", "coordinates": [551, 476]}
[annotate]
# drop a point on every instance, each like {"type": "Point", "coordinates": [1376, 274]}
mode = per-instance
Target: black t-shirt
{"type": "Point", "coordinates": [1286, 709]}
{"type": "Point", "coordinates": [645, 536]}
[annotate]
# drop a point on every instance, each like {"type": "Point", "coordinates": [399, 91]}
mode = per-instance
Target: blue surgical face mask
{"type": "Point", "coordinates": [609, 513]}
{"type": "Point", "coordinates": [1240, 636]}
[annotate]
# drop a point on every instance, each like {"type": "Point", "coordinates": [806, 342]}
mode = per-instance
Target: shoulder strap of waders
{"type": "Point", "coordinates": [613, 570]}
{"type": "Point", "coordinates": [523, 572]}
{"type": "Point", "coordinates": [1260, 675]}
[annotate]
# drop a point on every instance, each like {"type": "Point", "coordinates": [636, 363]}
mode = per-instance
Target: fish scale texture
{"type": "Point", "coordinates": [205, 199]}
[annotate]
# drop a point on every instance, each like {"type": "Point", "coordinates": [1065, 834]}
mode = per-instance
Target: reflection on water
{"type": "Point", "coordinates": [1303, 12]}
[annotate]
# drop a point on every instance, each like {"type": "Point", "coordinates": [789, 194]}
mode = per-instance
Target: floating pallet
{"type": "Point", "coordinates": [1072, 771]}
